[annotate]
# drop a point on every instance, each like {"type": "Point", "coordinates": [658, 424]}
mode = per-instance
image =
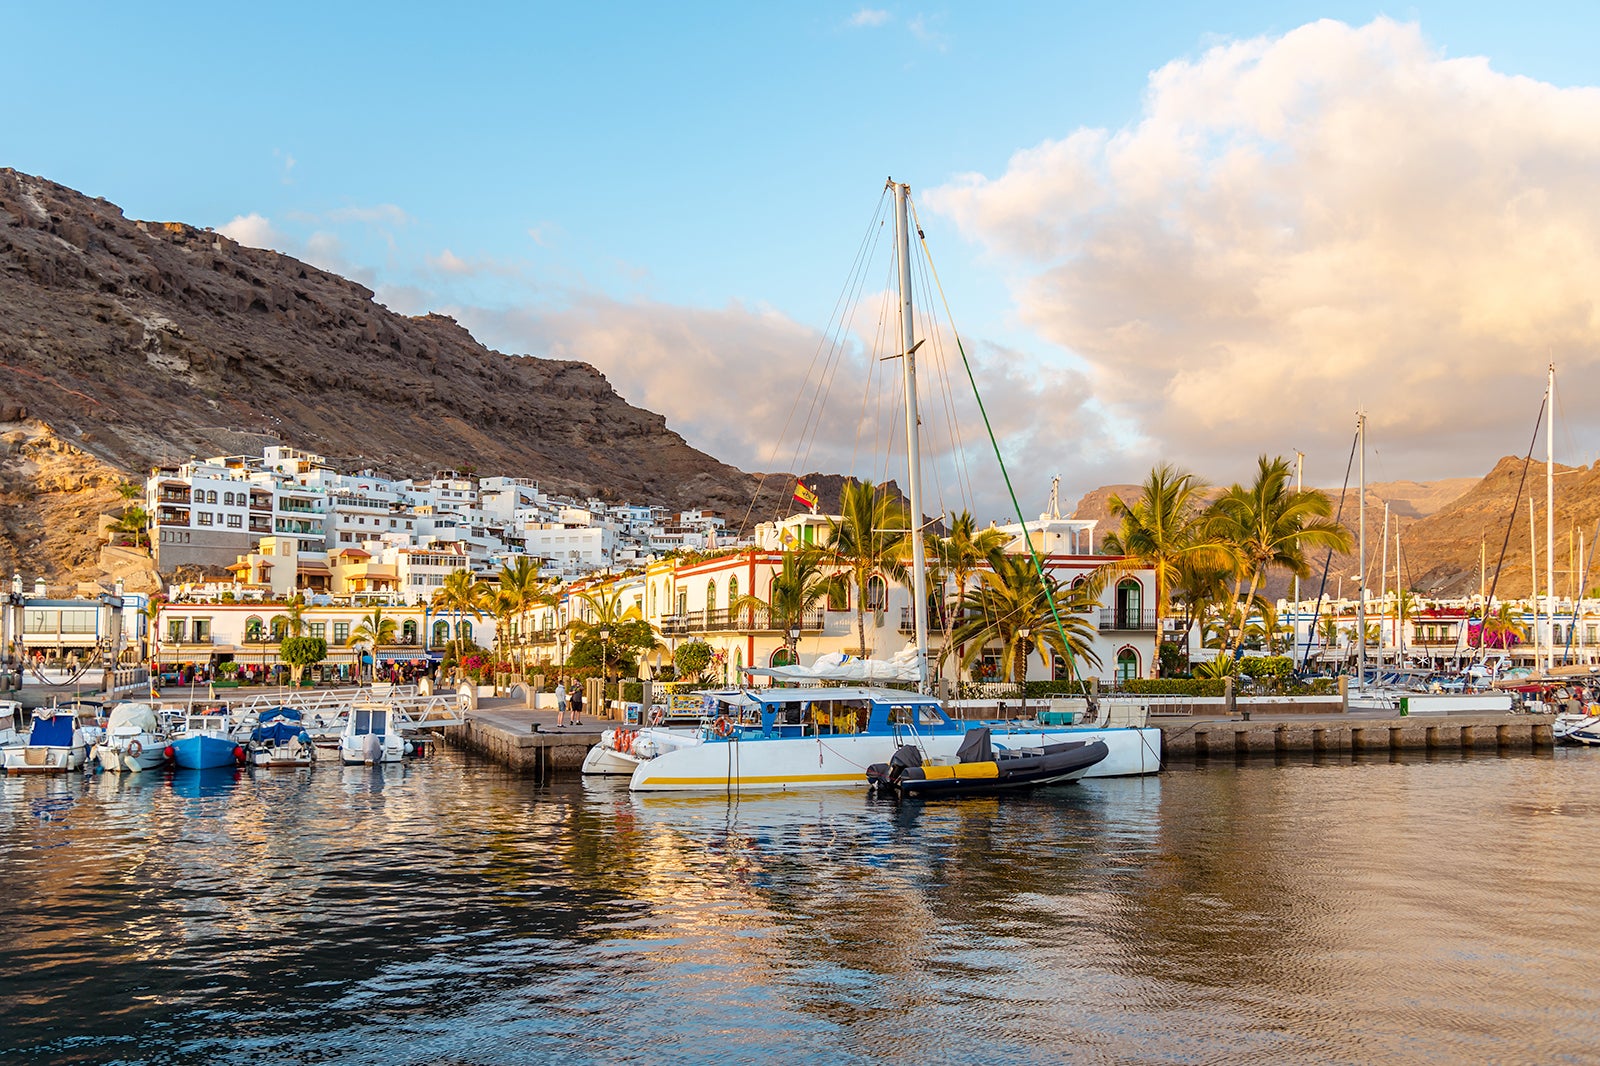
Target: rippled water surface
{"type": "Point", "coordinates": [447, 911]}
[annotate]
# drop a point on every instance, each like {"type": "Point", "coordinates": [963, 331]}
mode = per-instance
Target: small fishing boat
{"type": "Point", "coordinates": [205, 742]}
{"type": "Point", "coordinates": [980, 766]}
{"type": "Point", "coordinates": [280, 739]}
{"type": "Point", "coordinates": [133, 739]}
{"type": "Point", "coordinates": [621, 749]}
{"type": "Point", "coordinates": [371, 735]}
{"type": "Point", "coordinates": [55, 744]}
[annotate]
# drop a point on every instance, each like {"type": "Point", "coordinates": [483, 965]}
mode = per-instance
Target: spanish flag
{"type": "Point", "coordinates": [805, 496]}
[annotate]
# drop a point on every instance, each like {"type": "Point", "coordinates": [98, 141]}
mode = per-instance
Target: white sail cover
{"type": "Point", "coordinates": [138, 716]}
{"type": "Point", "coordinates": [837, 666]}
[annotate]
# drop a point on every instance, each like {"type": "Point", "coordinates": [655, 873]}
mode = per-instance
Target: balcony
{"type": "Point", "coordinates": [172, 516]}
{"type": "Point", "coordinates": [1116, 620]}
{"type": "Point", "coordinates": [260, 503]}
{"type": "Point", "coordinates": [172, 496]}
{"type": "Point", "coordinates": [737, 620]}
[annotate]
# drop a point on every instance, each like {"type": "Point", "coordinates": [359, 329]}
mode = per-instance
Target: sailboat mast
{"type": "Point", "coordinates": [919, 563]}
{"type": "Point", "coordinates": [1533, 579]}
{"type": "Point", "coordinates": [1550, 520]}
{"type": "Point", "coordinates": [1361, 540]}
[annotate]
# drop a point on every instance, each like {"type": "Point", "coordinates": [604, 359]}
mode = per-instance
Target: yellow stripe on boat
{"type": "Point", "coordinates": [976, 770]}
{"type": "Point", "coordinates": [747, 779]}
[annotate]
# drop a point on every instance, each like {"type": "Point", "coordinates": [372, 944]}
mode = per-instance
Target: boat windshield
{"type": "Point", "coordinates": [916, 714]}
{"type": "Point", "coordinates": [365, 721]}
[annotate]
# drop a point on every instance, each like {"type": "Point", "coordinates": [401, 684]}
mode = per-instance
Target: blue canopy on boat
{"type": "Point", "coordinates": [274, 714]}
{"type": "Point", "coordinates": [52, 732]}
{"type": "Point", "coordinates": [278, 732]}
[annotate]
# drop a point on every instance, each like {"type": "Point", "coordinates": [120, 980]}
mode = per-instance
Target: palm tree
{"type": "Point", "coordinates": [1011, 604]}
{"type": "Point", "coordinates": [375, 631]}
{"type": "Point", "coordinates": [964, 550]}
{"type": "Point", "coordinates": [1165, 530]}
{"type": "Point", "coordinates": [1503, 629]}
{"type": "Point", "coordinates": [1270, 524]}
{"type": "Point", "coordinates": [796, 588]}
{"type": "Point", "coordinates": [133, 525]}
{"type": "Point", "coordinates": [871, 536]}
{"type": "Point", "coordinates": [459, 595]}
{"type": "Point", "coordinates": [609, 615]}
{"type": "Point", "coordinates": [502, 604]}
{"type": "Point", "coordinates": [1328, 629]}
{"type": "Point", "coordinates": [521, 579]}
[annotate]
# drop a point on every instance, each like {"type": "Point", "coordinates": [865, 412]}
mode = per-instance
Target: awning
{"type": "Point", "coordinates": [312, 568]}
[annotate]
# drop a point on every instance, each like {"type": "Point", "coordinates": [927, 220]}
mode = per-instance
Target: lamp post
{"type": "Point", "coordinates": [794, 645]}
{"type": "Point", "coordinates": [605, 654]}
{"type": "Point", "coordinates": [1023, 633]}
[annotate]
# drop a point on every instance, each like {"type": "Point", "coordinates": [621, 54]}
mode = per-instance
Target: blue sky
{"type": "Point", "coordinates": [703, 171]}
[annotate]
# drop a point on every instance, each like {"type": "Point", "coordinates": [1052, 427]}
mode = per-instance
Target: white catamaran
{"type": "Point", "coordinates": [785, 738]}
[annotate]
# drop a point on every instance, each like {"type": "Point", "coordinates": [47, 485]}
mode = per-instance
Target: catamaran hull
{"type": "Point", "coordinates": [603, 761]}
{"type": "Point", "coordinates": [370, 749]}
{"type": "Point", "coordinates": [832, 761]}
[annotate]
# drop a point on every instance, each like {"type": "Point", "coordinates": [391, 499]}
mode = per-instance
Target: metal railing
{"type": "Point", "coordinates": [737, 619]}
{"type": "Point", "coordinates": [1117, 620]}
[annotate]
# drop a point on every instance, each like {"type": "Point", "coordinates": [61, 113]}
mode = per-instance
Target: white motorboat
{"type": "Point", "coordinates": [614, 755]}
{"type": "Point", "coordinates": [280, 739]}
{"type": "Point", "coordinates": [133, 740]}
{"type": "Point", "coordinates": [55, 744]}
{"type": "Point", "coordinates": [372, 735]}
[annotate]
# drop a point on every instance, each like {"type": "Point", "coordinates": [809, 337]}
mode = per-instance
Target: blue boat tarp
{"type": "Point", "coordinates": [271, 714]}
{"type": "Point", "coordinates": [277, 732]}
{"type": "Point", "coordinates": [52, 732]}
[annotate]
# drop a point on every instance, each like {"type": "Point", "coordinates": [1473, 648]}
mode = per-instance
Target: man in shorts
{"type": "Point", "coordinates": [561, 704]}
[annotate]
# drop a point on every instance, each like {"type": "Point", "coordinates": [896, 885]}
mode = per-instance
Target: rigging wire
{"type": "Point", "coordinates": [1327, 563]}
{"type": "Point", "coordinates": [1511, 520]}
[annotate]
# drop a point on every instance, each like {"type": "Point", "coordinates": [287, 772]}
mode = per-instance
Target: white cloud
{"type": "Point", "coordinates": [1305, 224]}
{"type": "Point", "coordinates": [739, 383]}
{"type": "Point", "coordinates": [450, 263]}
{"type": "Point", "coordinates": [868, 17]}
{"type": "Point", "coordinates": [385, 214]}
{"type": "Point", "coordinates": [253, 230]}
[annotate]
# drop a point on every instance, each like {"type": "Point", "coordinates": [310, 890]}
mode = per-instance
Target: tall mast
{"type": "Point", "coordinates": [1399, 603]}
{"type": "Point", "coordinates": [1550, 519]}
{"type": "Point", "coordinates": [1533, 579]}
{"type": "Point", "coordinates": [1383, 582]}
{"type": "Point", "coordinates": [919, 564]}
{"type": "Point", "coordinates": [1361, 540]}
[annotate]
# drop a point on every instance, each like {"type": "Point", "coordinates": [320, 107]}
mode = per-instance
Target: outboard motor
{"type": "Point", "coordinates": [887, 773]}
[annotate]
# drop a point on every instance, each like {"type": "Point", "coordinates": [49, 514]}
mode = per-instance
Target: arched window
{"type": "Point", "coordinates": [738, 666]}
{"type": "Point", "coordinates": [464, 629]}
{"type": "Point", "coordinates": [711, 594]}
{"type": "Point", "coordinates": [1130, 601]}
{"type": "Point", "coordinates": [1127, 665]}
{"type": "Point", "coordinates": [253, 629]}
{"type": "Point", "coordinates": [280, 629]}
{"type": "Point", "coordinates": [1058, 669]}
{"type": "Point", "coordinates": [408, 633]}
{"type": "Point", "coordinates": [211, 497]}
{"type": "Point", "coordinates": [733, 590]}
{"type": "Point", "coordinates": [877, 593]}
{"type": "Point", "coordinates": [441, 632]}
{"type": "Point", "coordinates": [781, 657]}
{"type": "Point", "coordinates": [650, 607]}
{"type": "Point", "coordinates": [1084, 604]}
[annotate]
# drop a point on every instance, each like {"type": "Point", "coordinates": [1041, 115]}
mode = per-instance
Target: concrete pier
{"type": "Point", "coordinates": [1203, 738]}
{"type": "Point", "coordinates": [503, 731]}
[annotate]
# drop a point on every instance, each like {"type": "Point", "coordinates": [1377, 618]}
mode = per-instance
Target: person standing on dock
{"type": "Point", "coordinates": [577, 705]}
{"type": "Point", "coordinates": [561, 704]}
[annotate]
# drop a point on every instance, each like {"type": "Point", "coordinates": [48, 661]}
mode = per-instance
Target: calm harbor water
{"type": "Point", "coordinates": [1424, 910]}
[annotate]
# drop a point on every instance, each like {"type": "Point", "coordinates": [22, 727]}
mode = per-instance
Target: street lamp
{"type": "Point", "coordinates": [794, 645]}
{"type": "Point", "coordinates": [605, 654]}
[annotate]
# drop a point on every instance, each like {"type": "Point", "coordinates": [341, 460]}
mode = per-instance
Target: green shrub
{"type": "Point", "coordinates": [1174, 686]}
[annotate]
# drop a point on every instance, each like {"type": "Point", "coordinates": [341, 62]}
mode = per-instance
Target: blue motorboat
{"type": "Point", "coordinates": [206, 741]}
{"type": "Point", "coordinates": [280, 740]}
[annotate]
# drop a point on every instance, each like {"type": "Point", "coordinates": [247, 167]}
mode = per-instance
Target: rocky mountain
{"type": "Point", "coordinates": [134, 343]}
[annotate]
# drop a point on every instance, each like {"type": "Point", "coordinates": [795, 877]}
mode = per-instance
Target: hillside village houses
{"type": "Point", "coordinates": [286, 522]}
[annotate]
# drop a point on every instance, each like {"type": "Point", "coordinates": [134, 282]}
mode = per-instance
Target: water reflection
{"type": "Point", "coordinates": [1411, 910]}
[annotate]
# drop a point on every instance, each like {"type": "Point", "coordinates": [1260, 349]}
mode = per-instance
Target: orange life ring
{"type": "Point", "coordinates": [135, 748]}
{"type": "Point", "coordinates": [723, 727]}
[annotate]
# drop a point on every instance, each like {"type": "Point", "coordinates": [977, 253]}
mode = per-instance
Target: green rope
{"type": "Point", "coordinates": [1038, 566]}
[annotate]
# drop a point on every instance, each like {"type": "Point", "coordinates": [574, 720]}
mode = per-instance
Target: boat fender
{"type": "Point", "coordinates": [238, 754]}
{"type": "Point", "coordinates": [168, 751]}
{"type": "Point", "coordinates": [135, 748]}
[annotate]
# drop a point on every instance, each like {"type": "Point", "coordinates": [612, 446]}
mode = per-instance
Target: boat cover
{"type": "Point", "coordinates": [975, 747]}
{"type": "Point", "coordinates": [837, 666]}
{"type": "Point", "coordinates": [52, 732]}
{"type": "Point", "coordinates": [140, 716]}
{"type": "Point", "coordinates": [276, 732]}
{"type": "Point", "coordinates": [273, 714]}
